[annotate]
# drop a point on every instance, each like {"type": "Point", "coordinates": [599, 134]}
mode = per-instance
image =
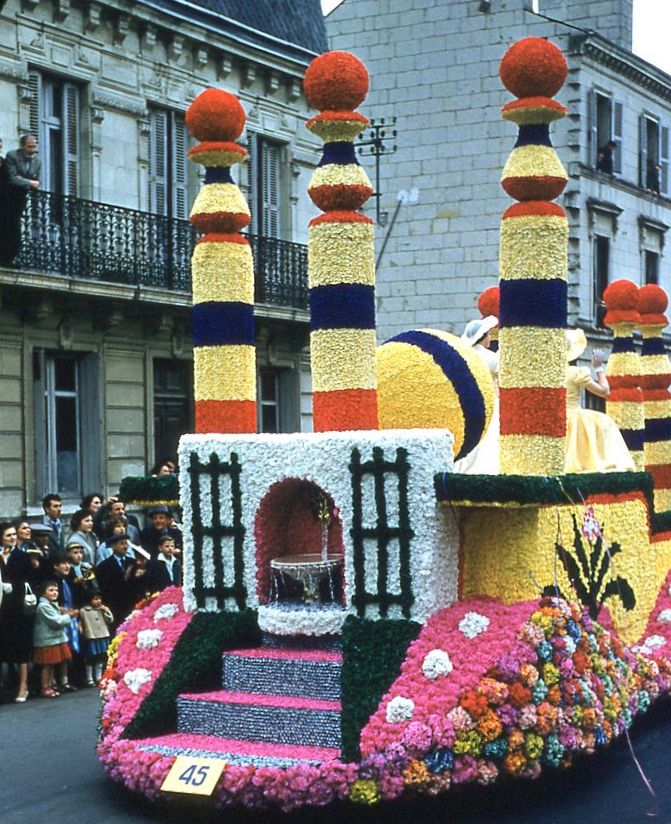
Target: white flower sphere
{"type": "Point", "coordinates": [148, 638]}
{"type": "Point", "coordinates": [400, 709]}
{"type": "Point", "coordinates": [473, 623]}
{"type": "Point", "coordinates": [665, 616]}
{"type": "Point", "coordinates": [436, 663]}
{"type": "Point", "coordinates": [136, 679]}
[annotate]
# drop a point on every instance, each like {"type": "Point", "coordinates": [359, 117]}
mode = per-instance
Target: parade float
{"type": "Point", "coordinates": [358, 621]}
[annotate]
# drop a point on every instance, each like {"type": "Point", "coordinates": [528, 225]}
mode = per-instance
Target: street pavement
{"type": "Point", "coordinates": [49, 773]}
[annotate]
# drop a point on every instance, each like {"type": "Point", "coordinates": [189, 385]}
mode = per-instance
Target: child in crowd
{"type": "Point", "coordinates": [79, 572]}
{"type": "Point", "coordinates": [165, 570]}
{"type": "Point", "coordinates": [66, 599]}
{"type": "Point", "coordinates": [95, 621]}
{"type": "Point", "coordinates": [50, 642]}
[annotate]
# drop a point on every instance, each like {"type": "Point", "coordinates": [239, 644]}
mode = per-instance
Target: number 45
{"type": "Point", "coordinates": [195, 776]}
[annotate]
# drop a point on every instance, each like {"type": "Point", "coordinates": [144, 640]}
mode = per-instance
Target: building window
{"type": "Point", "coordinates": [601, 276]}
{"type": "Point", "coordinates": [55, 121]}
{"type": "Point", "coordinates": [605, 132]}
{"type": "Point", "coordinates": [268, 400]}
{"type": "Point", "coordinates": [261, 182]}
{"type": "Point", "coordinates": [67, 423]}
{"type": "Point", "coordinates": [168, 165]}
{"type": "Point", "coordinates": [653, 155]}
{"type": "Point", "coordinates": [172, 405]}
{"type": "Point", "coordinates": [651, 266]}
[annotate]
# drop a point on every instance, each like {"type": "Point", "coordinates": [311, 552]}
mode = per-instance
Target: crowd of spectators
{"type": "Point", "coordinates": [64, 591]}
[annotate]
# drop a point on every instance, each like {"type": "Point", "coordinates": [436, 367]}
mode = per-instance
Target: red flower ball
{"type": "Point", "coordinates": [336, 80]}
{"type": "Point", "coordinates": [216, 115]}
{"type": "Point", "coordinates": [621, 294]}
{"type": "Point", "coordinates": [652, 300]}
{"type": "Point", "coordinates": [533, 67]}
{"type": "Point", "coordinates": [488, 302]}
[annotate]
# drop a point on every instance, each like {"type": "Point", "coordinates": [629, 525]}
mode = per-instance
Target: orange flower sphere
{"type": "Point", "coordinates": [488, 302]}
{"type": "Point", "coordinates": [621, 294]}
{"type": "Point", "coordinates": [652, 300]}
{"type": "Point", "coordinates": [336, 81]}
{"type": "Point", "coordinates": [533, 67]}
{"type": "Point", "coordinates": [216, 115]}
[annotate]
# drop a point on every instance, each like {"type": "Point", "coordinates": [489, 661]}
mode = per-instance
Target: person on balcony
{"type": "Point", "coordinates": [22, 168]}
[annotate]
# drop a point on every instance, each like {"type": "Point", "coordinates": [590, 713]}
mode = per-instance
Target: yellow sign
{"type": "Point", "coordinates": [195, 776]}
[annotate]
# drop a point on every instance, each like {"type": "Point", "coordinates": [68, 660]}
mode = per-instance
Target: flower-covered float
{"type": "Point", "coordinates": [359, 622]}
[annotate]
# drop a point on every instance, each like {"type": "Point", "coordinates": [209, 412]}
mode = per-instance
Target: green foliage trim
{"type": "Point", "coordinates": [158, 489]}
{"type": "Point", "coordinates": [196, 654]}
{"type": "Point", "coordinates": [373, 652]}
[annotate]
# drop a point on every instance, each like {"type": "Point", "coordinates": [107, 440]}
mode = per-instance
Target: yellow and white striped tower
{"type": "Point", "coordinates": [625, 402]}
{"type": "Point", "coordinates": [341, 254]}
{"type": "Point", "coordinates": [533, 269]}
{"type": "Point", "coordinates": [224, 354]}
{"type": "Point", "coordinates": [655, 380]}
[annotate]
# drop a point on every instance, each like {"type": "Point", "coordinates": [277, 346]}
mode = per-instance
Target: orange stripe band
{"type": "Point", "coordinates": [233, 417]}
{"type": "Point", "coordinates": [539, 208]}
{"type": "Point", "coordinates": [344, 409]}
{"type": "Point", "coordinates": [533, 411]}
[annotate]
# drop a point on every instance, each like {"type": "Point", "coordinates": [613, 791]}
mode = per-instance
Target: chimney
{"type": "Point", "coordinates": [612, 19]}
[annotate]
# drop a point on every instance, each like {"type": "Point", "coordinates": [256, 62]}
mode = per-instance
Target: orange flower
{"type": "Point", "coordinates": [514, 763]}
{"type": "Point", "coordinates": [489, 726]}
{"type": "Point", "coordinates": [519, 695]}
{"type": "Point", "coordinates": [554, 695]}
{"type": "Point", "coordinates": [474, 703]}
{"type": "Point", "coordinates": [416, 773]}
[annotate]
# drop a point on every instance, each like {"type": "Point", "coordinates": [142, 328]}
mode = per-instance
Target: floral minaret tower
{"type": "Point", "coordinates": [533, 267]}
{"type": "Point", "coordinates": [222, 272]}
{"type": "Point", "coordinates": [655, 380]}
{"type": "Point", "coordinates": [341, 256]}
{"type": "Point", "coordinates": [625, 402]}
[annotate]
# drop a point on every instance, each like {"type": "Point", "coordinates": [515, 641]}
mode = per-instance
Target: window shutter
{"type": "Point", "coordinates": [592, 135]}
{"type": "Point", "coordinates": [664, 159]}
{"type": "Point", "coordinates": [642, 151]}
{"type": "Point", "coordinates": [71, 139]}
{"type": "Point", "coordinates": [617, 112]}
{"type": "Point", "coordinates": [180, 168]}
{"type": "Point", "coordinates": [248, 174]}
{"type": "Point", "coordinates": [35, 114]}
{"type": "Point", "coordinates": [158, 161]}
{"type": "Point", "coordinates": [270, 162]}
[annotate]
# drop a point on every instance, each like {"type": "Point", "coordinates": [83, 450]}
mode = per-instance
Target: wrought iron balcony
{"type": "Point", "coordinates": [92, 241]}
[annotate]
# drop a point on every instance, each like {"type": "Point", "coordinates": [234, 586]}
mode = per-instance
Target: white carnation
{"type": "Point", "coordinates": [473, 624]}
{"type": "Point", "coordinates": [148, 638]}
{"type": "Point", "coordinates": [136, 679]}
{"type": "Point", "coordinates": [665, 616]}
{"type": "Point", "coordinates": [436, 663]}
{"type": "Point", "coordinates": [400, 709]}
{"type": "Point", "coordinates": [166, 611]}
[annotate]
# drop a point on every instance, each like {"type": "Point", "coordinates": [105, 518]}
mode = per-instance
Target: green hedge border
{"type": "Point", "coordinates": [525, 490]}
{"type": "Point", "coordinates": [198, 650]}
{"type": "Point", "coordinates": [373, 652]}
{"type": "Point", "coordinates": [159, 488]}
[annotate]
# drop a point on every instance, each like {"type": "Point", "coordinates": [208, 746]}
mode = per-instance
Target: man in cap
{"type": "Point", "coordinates": [120, 579]}
{"type": "Point", "coordinates": [161, 524]}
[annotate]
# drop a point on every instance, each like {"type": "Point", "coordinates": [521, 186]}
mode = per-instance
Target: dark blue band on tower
{"type": "Point", "coordinates": [533, 302]}
{"type": "Point", "coordinates": [342, 306]}
{"type": "Point", "coordinates": [218, 174]}
{"type": "Point", "coordinates": [658, 429]}
{"type": "Point", "coordinates": [340, 152]}
{"type": "Point", "coordinates": [622, 345]}
{"type": "Point", "coordinates": [223, 324]}
{"type": "Point", "coordinates": [634, 438]}
{"type": "Point", "coordinates": [653, 346]}
{"type": "Point", "coordinates": [536, 134]}
{"type": "Point", "coordinates": [457, 371]}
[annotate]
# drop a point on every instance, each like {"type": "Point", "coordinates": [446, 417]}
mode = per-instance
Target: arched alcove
{"type": "Point", "coordinates": [286, 524]}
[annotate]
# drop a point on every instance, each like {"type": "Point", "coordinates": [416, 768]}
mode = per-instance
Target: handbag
{"type": "Point", "coordinates": [29, 600]}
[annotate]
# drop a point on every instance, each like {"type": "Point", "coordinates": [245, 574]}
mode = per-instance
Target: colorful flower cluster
{"type": "Point", "coordinates": [533, 266]}
{"type": "Point", "coordinates": [430, 379]}
{"type": "Point", "coordinates": [341, 273]}
{"type": "Point", "coordinates": [563, 685]}
{"type": "Point", "coordinates": [655, 379]}
{"type": "Point", "coordinates": [223, 273]}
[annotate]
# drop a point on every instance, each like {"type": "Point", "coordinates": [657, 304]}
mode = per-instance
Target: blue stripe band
{"type": "Point", "coordinates": [218, 323]}
{"type": "Point", "coordinates": [653, 346]}
{"type": "Point", "coordinates": [536, 134]}
{"type": "Point", "coordinates": [340, 152]}
{"type": "Point", "coordinates": [218, 174]}
{"type": "Point", "coordinates": [634, 438]}
{"type": "Point", "coordinates": [622, 345]}
{"type": "Point", "coordinates": [533, 302]}
{"type": "Point", "coordinates": [657, 429]}
{"type": "Point", "coordinates": [342, 306]}
{"type": "Point", "coordinates": [456, 370]}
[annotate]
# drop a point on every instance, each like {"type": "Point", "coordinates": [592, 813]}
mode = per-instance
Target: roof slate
{"type": "Point", "coordinates": [297, 21]}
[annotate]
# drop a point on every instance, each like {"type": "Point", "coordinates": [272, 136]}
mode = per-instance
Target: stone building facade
{"type": "Point", "coordinates": [95, 339]}
{"type": "Point", "coordinates": [434, 65]}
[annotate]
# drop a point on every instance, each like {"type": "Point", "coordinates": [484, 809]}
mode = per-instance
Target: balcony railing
{"type": "Point", "coordinates": [97, 241]}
